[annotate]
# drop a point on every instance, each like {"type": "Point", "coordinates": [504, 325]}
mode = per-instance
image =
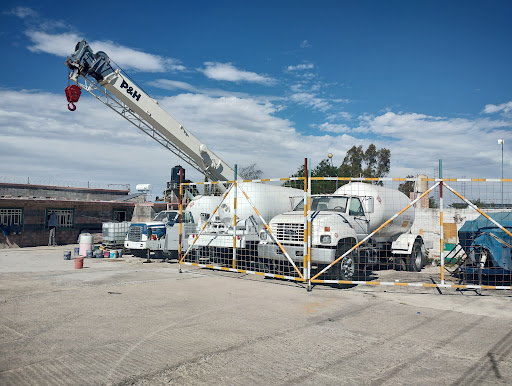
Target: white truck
{"type": "Point", "coordinates": [138, 233]}
{"type": "Point", "coordinates": [269, 200]}
{"type": "Point", "coordinates": [164, 241]}
{"type": "Point", "coordinates": [342, 219]}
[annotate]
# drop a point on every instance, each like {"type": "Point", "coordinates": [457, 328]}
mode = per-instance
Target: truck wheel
{"type": "Point", "coordinates": [346, 268]}
{"type": "Point", "coordinates": [400, 264]}
{"type": "Point", "coordinates": [415, 260]}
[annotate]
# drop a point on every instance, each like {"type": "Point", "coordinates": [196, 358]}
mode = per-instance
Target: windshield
{"type": "Point", "coordinates": [166, 216]}
{"type": "Point", "coordinates": [336, 204]}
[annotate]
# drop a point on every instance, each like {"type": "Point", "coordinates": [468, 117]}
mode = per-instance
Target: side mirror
{"type": "Point", "coordinates": [369, 204]}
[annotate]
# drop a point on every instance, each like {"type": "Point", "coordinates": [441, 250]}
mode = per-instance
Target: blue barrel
{"type": "Point", "coordinates": [77, 251]}
{"type": "Point", "coordinates": [88, 254]}
{"type": "Point", "coordinates": [67, 255]}
{"type": "Point", "coordinates": [113, 254]}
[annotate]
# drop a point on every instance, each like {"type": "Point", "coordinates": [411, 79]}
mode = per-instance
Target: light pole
{"type": "Point", "coordinates": [500, 142]}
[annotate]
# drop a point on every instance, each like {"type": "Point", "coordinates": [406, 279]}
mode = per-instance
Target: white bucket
{"type": "Point", "coordinates": [86, 241]}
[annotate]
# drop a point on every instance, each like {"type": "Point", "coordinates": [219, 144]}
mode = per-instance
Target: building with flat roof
{"type": "Point", "coordinates": [25, 210]}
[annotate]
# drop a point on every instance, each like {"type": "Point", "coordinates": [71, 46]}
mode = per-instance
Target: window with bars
{"type": "Point", "coordinates": [65, 217]}
{"type": "Point", "coordinates": [9, 216]}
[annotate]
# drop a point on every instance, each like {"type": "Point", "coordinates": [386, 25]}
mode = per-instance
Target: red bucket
{"type": "Point", "coordinates": [79, 263]}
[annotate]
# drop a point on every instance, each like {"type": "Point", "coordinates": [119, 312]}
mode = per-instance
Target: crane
{"type": "Point", "coordinates": [94, 73]}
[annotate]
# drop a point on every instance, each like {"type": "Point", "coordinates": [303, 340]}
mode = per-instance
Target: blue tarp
{"type": "Point", "coordinates": [483, 233]}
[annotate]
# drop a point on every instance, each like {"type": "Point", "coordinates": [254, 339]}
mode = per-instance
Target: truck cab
{"type": "Point", "coordinates": [164, 241]}
{"type": "Point", "coordinates": [355, 210]}
{"type": "Point", "coordinates": [337, 222]}
{"type": "Point", "coordinates": [341, 220]}
{"type": "Point", "coordinates": [137, 236]}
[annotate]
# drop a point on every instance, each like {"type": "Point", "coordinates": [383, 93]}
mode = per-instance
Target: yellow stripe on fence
{"type": "Point", "coordinates": [359, 179]}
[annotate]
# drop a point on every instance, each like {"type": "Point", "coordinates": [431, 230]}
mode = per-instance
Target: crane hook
{"type": "Point", "coordinates": [72, 94]}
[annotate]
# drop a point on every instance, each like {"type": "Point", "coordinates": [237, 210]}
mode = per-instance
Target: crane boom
{"type": "Point", "coordinates": [118, 92]}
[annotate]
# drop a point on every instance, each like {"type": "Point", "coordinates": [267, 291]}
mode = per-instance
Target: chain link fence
{"type": "Point", "coordinates": [406, 233]}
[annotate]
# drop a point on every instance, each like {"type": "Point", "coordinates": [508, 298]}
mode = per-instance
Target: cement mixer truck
{"type": "Point", "coordinates": [342, 219]}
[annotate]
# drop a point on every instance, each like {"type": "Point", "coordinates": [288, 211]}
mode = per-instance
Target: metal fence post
{"type": "Point", "coordinates": [234, 217]}
{"type": "Point", "coordinates": [181, 215]}
{"type": "Point", "coordinates": [309, 227]}
{"type": "Point", "coordinates": [305, 232]}
{"type": "Point", "coordinates": [441, 221]}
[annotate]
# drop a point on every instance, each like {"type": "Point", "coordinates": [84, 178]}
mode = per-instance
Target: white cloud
{"type": "Point", "coordinates": [128, 58]}
{"type": "Point", "coordinates": [43, 139]}
{"type": "Point", "coordinates": [23, 12]}
{"type": "Point", "coordinates": [94, 143]}
{"type": "Point", "coordinates": [505, 108]}
{"type": "Point", "coordinates": [300, 67]}
{"type": "Point", "coordinates": [409, 125]}
{"type": "Point", "coordinates": [226, 71]}
{"type": "Point", "coordinates": [418, 141]}
{"type": "Point", "coordinates": [341, 114]}
{"type": "Point", "coordinates": [299, 87]}
{"type": "Point", "coordinates": [56, 44]}
{"type": "Point", "coordinates": [334, 128]}
{"type": "Point", "coordinates": [168, 84]}
{"type": "Point", "coordinates": [305, 44]}
{"type": "Point", "coordinates": [310, 100]}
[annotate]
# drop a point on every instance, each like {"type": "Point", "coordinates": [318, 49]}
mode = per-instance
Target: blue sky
{"type": "Point", "coordinates": [265, 82]}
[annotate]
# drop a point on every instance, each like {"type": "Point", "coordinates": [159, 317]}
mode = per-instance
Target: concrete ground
{"type": "Point", "coordinates": [125, 322]}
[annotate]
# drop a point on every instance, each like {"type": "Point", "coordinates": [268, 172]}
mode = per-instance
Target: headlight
{"type": "Point", "coordinates": [325, 239]}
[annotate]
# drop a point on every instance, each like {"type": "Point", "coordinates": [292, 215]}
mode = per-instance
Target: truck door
{"type": "Point", "coordinates": [358, 218]}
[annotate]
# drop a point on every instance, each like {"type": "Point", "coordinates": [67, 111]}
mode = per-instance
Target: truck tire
{"type": "Point", "coordinates": [346, 267]}
{"type": "Point", "coordinates": [400, 264]}
{"type": "Point", "coordinates": [415, 260]}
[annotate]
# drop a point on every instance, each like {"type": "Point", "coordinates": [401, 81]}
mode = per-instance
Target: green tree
{"type": "Point", "coordinates": [407, 187]}
{"type": "Point", "coordinates": [324, 169]}
{"type": "Point", "coordinates": [371, 163]}
{"type": "Point", "coordinates": [383, 162]}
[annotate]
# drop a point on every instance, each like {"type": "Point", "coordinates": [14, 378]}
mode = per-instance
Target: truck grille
{"type": "Point", "coordinates": [289, 232]}
{"type": "Point", "coordinates": [135, 233]}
